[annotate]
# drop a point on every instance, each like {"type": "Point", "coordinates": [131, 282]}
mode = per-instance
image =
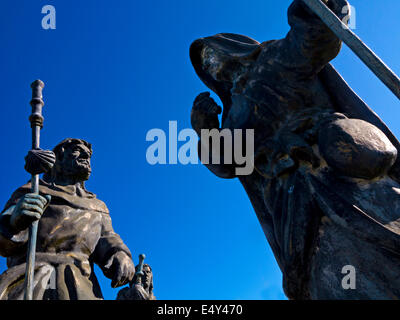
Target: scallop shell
{"type": "Point", "coordinates": [39, 161]}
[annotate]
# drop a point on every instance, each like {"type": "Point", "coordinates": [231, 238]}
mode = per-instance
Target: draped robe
{"type": "Point", "coordinates": [319, 210]}
{"type": "Point", "coordinates": [74, 233]}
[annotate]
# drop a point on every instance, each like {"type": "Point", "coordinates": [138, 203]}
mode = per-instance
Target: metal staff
{"type": "Point", "coordinates": [36, 120]}
{"type": "Point", "coordinates": [139, 272]}
{"type": "Point", "coordinates": [342, 31]}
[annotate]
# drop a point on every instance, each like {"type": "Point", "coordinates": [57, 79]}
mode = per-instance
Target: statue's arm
{"type": "Point", "coordinates": [310, 44]}
{"type": "Point", "coordinates": [112, 255]}
{"type": "Point", "coordinates": [109, 243]}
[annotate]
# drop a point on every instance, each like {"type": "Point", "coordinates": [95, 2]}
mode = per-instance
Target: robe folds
{"type": "Point", "coordinates": [326, 182]}
{"type": "Point", "coordinates": [74, 233]}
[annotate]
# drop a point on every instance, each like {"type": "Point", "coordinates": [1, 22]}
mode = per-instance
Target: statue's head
{"type": "Point", "coordinates": [220, 60]}
{"type": "Point", "coordinates": [72, 161]}
{"type": "Point", "coordinates": [147, 278]}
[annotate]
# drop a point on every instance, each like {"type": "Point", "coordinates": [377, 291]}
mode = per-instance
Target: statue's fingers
{"type": "Point", "coordinates": [124, 275]}
{"type": "Point", "coordinates": [215, 109]}
{"type": "Point", "coordinates": [124, 281]}
{"type": "Point", "coordinates": [24, 218]}
{"type": "Point", "coordinates": [131, 274]}
{"type": "Point", "coordinates": [36, 196]}
{"type": "Point", "coordinates": [126, 271]}
{"type": "Point", "coordinates": [31, 215]}
{"type": "Point", "coordinates": [34, 201]}
{"type": "Point", "coordinates": [121, 282]}
{"type": "Point", "coordinates": [32, 207]}
{"type": "Point", "coordinates": [117, 277]}
{"type": "Point", "coordinates": [205, 103]}
{"type": "Point", "coordinates": [202, 96]}
{"type": "Point", "coordinates": [48, 199]}
{"type": "Point", "coordinates": [116, 282]}
{"type": "Point", "coordinates": [109, 264]}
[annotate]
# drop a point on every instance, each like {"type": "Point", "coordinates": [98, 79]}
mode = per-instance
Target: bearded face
{"type": "Point", "coordinates": [76, 162]}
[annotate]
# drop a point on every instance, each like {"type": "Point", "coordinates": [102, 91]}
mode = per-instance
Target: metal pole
{"type": "Point", "coordinates": [342, 31]}
{"type": "Point", "coordinates": [36, 120]}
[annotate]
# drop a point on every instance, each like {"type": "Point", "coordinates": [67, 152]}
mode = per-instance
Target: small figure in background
{"type": "Point", "coordinates": [141, 287]}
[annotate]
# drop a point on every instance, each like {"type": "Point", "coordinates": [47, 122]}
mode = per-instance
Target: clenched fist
{"type": "Point", "coordinates": [340, 7]}
{"type": "Point", "coordinates": [28, 209]}
{"type": "Point", "coordinates": [205, 113]}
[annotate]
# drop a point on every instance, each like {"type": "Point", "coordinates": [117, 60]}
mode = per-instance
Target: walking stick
{"type": "Point", "coordinates": [36, 120]}
{"type": "Point", "coordinates": [342, 31]}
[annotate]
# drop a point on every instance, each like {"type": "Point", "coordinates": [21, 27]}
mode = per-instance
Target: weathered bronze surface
{"type": "Point", "coordinates": [141, 287]}
{"type": "Point", "coordinates": [74, 231]}
{"type": "Point", "coordinates": [326, 182]}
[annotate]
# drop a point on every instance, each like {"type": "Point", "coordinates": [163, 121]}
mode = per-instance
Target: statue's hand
{"type": "Point", "coordinates": [28, 209]}
{"type": "Point", "coordinates": [120, 269]}
{"type": "Point", "coordinates": [39, 161]}
{"type": "Point", "coordinates": [205, 113]}
{"type": "Point", "coordinates": [337, 6]}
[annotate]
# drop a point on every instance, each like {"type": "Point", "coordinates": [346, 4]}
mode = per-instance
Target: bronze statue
{"type": "Point", "coordinates": [74, 231]}
{"type": "Point", "coordinates": [141, 287]}
{"type": "Point", "coordinates": [326, 179]}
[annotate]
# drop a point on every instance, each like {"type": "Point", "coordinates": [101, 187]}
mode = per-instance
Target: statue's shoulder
{"type": "Point", "coordinates": [61, 194]}
{"type": "Point", "coordinates": [80, 198]}
{"type": "Point", "coordinates": [101, 206]}
{"type": "Point", "coordinates": [91, 200]}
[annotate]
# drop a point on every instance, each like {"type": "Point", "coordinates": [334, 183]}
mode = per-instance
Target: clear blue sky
{"type": "Point", "coordinates": [113, 71]}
